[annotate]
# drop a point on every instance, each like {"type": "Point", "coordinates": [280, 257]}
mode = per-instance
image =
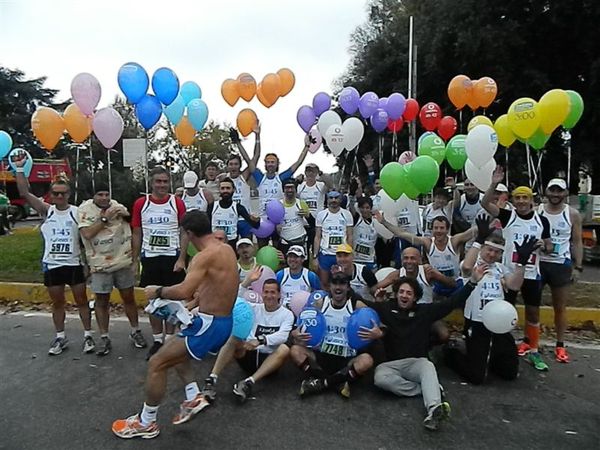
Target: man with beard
{"type": "Point", "coordinates": [295, 277]}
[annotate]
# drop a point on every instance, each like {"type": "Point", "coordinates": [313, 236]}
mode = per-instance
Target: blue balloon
{"type": "Point", "coordinates": [175, 110]}
{"type": "Point", "coordinates": [312, 321]}
{"type": "Point", "coordinates": [133, 81]}
{"type": "Point", "coordinates": [148, 111]}
{"type": "Point", "coordinates": [5, 143]}
{"type": "Point", "coordinates": [165, 85]}
{"type": "Point", "coordinates": [362, 317]}
{"type": "Point", "coordinates": [243, 319]}
{"type": "Point", "coordinates": [316, 296]}
{"type": "Point", "coordinates": [190, 91]}
{"type": "Point", "coordinates": [197, 113]}
{"type": "Point", "coordinates": [17, 154]}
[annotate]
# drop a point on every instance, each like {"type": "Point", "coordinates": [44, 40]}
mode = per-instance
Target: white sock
{"type": "Point", "coordinates": [214, 377]}
{"type": "Point", "coordinates": [104, 335]}
{"type": "Point", "coordinates": [191, 390]}
{"type": "Point", "coordinates": [250, 379]}
{"type": "Point", "coordinates": [60, 334]}
{"type": "Point", "coordinates": [148, 414]}
{"type": "Point", "coordinates": [158, 338]}
{"type": "Point", "coordinates": [87, 333]}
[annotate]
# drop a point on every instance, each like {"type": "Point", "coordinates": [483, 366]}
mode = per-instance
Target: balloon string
{"type": "Point", "coordinates": [380, 155]}
{"type": "Point", "coordinates": [93, 166]}
{"type": "Point", "coordinates": [460, 120]}
{"type": "Point", "coordinates": [109, 175]}
{"type": "Point", "coordinates": [77, 175]}
{"type": "Point", "coordinates": [528, 161]}
{"type": "Point", "coordinates": [539, 171]}
{"type": "Point", "coordinates": [146, 160]}
{"type": "Point", "coordinates": [506, 166]}
{"type": "Point", "coordinates": [569, 164]}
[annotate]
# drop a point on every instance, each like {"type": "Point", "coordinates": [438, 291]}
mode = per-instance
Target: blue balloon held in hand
{"type": "Point", "coordinates": [312, 321]}
{"type": "Point", "coordinates": [148, 111]}
{"type": "Point", "coordinates": [197, 113]}
{"type": "Point", "coordinates": [362, 317]}
{"type": "Point", "coordinates": [17, 154]}
{"type": "Point", "coordinates": [243, 319]}
{"type": "Point", "coordinates": [189, 91]}
{"type": "Point", "coordinates": [165, 85]}
{"type": "Point", "coordinates": [316, 296]}
{"type": "Point", "coordinates": [133, 81]}
{"type": "Point", "coordinates": [175, 110]}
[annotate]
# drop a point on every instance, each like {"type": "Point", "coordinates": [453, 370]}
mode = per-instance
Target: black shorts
{"type": "Point", "coordinates": [71, 275]}
{"type": "Point", "coordinates": [556, 275]}
{"type": "Point", "coordinates": [159, 271]}
{"type": "Point", "coordinates": [531, 291]}
{"type": "Point", "coordinates": [252, 360]}
{"type": "Point", "coordinates": [331, 363]}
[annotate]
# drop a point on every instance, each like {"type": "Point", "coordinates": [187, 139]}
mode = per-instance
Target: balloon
{"type": "Point", "coordinates": [390, 179]}
{"type": "Point", "coordinates": [479, 120]}
{"type": "Point", "coordinates": [423, 136]}
{"type": "Point", "coordinates": [48, 127]}
{"type": "Point", "coordinates": [298, 301]}
{"type": "Point", "coordinates": [481, 144]}
{"type": "Point", "coordinates": [505, 135]}
{"type": "Point", "coordinates": [184, 131]}
{"type": "Point", "coordinates": [264, 230]}
{"type": "Point", "coordinates": [175, 110]}
{"type": "Point", "coordinates": [5, 143]}
{"type": "Point", "coordinates": [197, 113]}
{"type": "Point", "coordinates": [252, 297]}
{"type": "Point", "coordinates": [189, 91]}
{"type": "Point", "coordinates": [353, 131]}
{"type": "Point", "coordinates": [317, 138]}
{"type": "Point", "coordinates": [86, 92]}
{"type": "Point", "coordinates": [243, 319]}
{"type": "Point", "coordinates": [108, 126]}
{"type": "Point", "coordinates": [524, 117]}
{"type": "Point", "coordinates": [456, 154]}
{"type": "Point", "coordinates": [575, 111]}
{"type": "Point", "coordinates": [312, 321]}
{"type": "Point", "coordinates": [381, 230]}
{"type": "Point", "coordinates": [165, 85]}
{"type": "Point", "coordinates": [383, 273]}
{"type": "Point", "coordinates": [349, 99]}
{"type": "Point", "coordinates": [265, 274]}
{"type": "Point", "coordinates": [19, 154]}
{"type": "Point", "coordinates": [410, 190]}
{"type": "Point", "coordinates": [267, 256]}
{"type": "Point", "coordinates": [361, 317]}
{"type": "Point", "coordinates": [133, 81]}
{"type": "Point", "coordinates": [230, 91]}
{"type": "Point", "coordinates": [368, 104]}
{"type": "Point", "coordinates": [246, 121]}
{"type": "Point", "coordinates": [447, 127]}
{"type": "Point", "coordinates": [411, 111]}
{"type": "Point", "coordinates": [484, 91]}
{"type": "Point", "coordinates": [321, 103]}
{"type": "Point", "coordinates": [430, 116]}
{"type": "Point", "coordinates": [246, 86]}
{"type": "Point", "coordinates": [383, 101]}
{"type": "Point", "coordinates": [499, 316]}
{"type": "Point", "coordinates": [433, 146]}
{"type": "Point", "coordinates": [379, 120]}
{"type": "Point", "coordinates": [335, 139]}
{"type": "Point", "coordinates": [306, 117]}
{"type": "Point", "coordinates": [538, 140]}
{"type": "Point", "coordinates": [271, 87]}
{"type": "Point", "coordinates": [77, 124]}
{"type": "Point", "coordinates": [148, 111]}
{"type": "Point", "coordinates": [396, 105]}
{"type": "Point", "coordinates": [275, 211]}
{"type": "Point", "coordinates": [472, 101]}
{"type": "Point", "coordinates": [406, 157]}
{"type": "Point", "coordinates": [395, 125]}
{"type": "Point", "coordinates": [316, 296]}
{"type": "Point", "coordinates": [480, 177]}
{"type": "Point", "coordinates": [327, 119]}
{"type": "Point", "coordinates": [261, 97]}
{"type": "Point", "coordinates": [424, 172]}
{"type": "Point", "coordinates": [460, 90]}
{"type": "Point", "coordinates": [554, 107]}
{"type": "Point", "coordinates": [287, 80]}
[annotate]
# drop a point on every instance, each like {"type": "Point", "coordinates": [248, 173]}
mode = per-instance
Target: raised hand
{"type": "Point", "coordinates": [483, 228]}
{"type": "Point", "coordinates": [498, 175]}
{"type": "Point", "coordinates": [479, 271]}
{"type": "Point", "coordinates": [234, 135]}
{"type": "Point", "coordinates": [524, 250]}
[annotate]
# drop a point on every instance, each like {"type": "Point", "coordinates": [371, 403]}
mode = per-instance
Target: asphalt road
{"type": "Point", "coordinates": [70, 401]}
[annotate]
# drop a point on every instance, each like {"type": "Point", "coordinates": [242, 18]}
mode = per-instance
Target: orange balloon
{"type": "Point", "coordinates": [287, 80]}
{"type": "Point", "coordinates": [246, 121]}
{"type": "Point", "coordinates": [48, 127]}
{"type": "Point", "coordinates": [271, 87]}
{"type": "Point", "coordinates": [484, 91]}
{"type": "Point", "coordinates": [230, 91]}
{"type": "Point", "coordinates": [261, 97]}
{"type": "Point", "coordinates": [460, 90]}
{"type": "Point", "coordinates": [185, 132]}
{"type": "Point", "coordinates": [247, 86]}
{"type": "Point", "coordinates": [77, 124]}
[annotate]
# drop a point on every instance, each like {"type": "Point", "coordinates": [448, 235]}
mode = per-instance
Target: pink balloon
{"type": "Point", "coordinates": [298, 302]}
{"type": "Point", "coordinates": [86, 92]}
{"type": "Point", "coordinates": [316, 136]}
{"type": "Point", "coordinates": [406, 157]}
{"type": "Point", "coordinates": [267, 273]}
{"type": "Point", "coordinates": [108, 127]}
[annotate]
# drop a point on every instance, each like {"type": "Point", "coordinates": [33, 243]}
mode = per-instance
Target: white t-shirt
{"type": "Point", "coordinates": [314, 196]}
{"type": "Point", "coordinates": [275, 326]}
{"type": "Point", "coordinates": [333, 229]}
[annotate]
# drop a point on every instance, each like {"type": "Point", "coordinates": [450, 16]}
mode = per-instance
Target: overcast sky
{"type": "Point", "coordinates": [203, 41]}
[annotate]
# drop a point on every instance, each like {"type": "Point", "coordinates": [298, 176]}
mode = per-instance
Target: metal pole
{"type": "Point", "coordinates": [506, 167]}
{"type": "Point", "coordinates": [412, 143]}
{"type": "Point", "coordinates": [109, 174]}
{"type": "Point", "coordinates": [146, 160]}
{"type": "Point", "coordinates": [77, 175]}
{"type": "Point", "coordinates": [92, 166]}
{"type": "Point", "coordinates": [528, 156]}
{"type": "Point", "coordinates": [569, 164]}
{"type": "Point", "coordinates": [410, 55]}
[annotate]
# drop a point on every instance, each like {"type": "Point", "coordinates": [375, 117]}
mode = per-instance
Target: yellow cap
{"type": "Point", "coordinates": [522, 190]}
{"type": "Point", "coordinates": [344, 248]}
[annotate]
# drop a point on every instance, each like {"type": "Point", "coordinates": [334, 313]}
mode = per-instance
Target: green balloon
{"type": "Point", "coordinates": [576, 110]}
{"type": "Point", "coordinates": [410, 190]}
{"type": "Point", "coordinates": [424, 172]}
{"type": "Point", "coordinates": [538, 140]}
{"type": "Point", "coordinates": [456, 154]}
{"type": "Point", "coordinates": [389, 178]}
{"type": "Point", "coordinates": [191, 250]}
{"type": "Point", "coordinates": [433, 145]}
{"type": "Point", "coordinates": [267, 256]}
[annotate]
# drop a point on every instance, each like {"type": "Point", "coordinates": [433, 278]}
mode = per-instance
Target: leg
{"type": "Point", "coordinates": [128, 299]}
{"type": "Point", "coordinates": [57, 295]}
{"type": "Point", "coordinates": [173, 353]}
{"type": "Point", "coordinates": [559, 301]}
{"type": "Point", "coordinates": [232, 348]}
{"type": "Point", "coordinates": [504, 360]}
{"type": "Point", "coordinates": [440, 333]}
{"type": "Point", "coordinates": [473, 365]}
{"type": "Point", "coordinates": [389, 377]}
{"type": "Point", "coordinates": [273, 363]}
{"type": "Point", "coordinates": [101, 307]}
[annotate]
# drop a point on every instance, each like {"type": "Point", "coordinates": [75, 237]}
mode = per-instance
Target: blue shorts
{"type": "Point", "coordinates": [244, 229]}
{"type": "Point", "coordinates": [206, 334]}
{"type": "Point", "coordinates": [326, 261]}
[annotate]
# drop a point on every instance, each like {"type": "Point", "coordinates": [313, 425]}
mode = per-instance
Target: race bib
{"type": "Point", "coordinates": [402, 221]}
{"type": "Point", "coordinates": [58, 249]}
{"type": "Point", "coordinates": [362, 249]}
{"type": "Point", "coordinates": [312, 204]}
{"type": "Point", "coordinates": [530, 262]}
{"type": "Point", "coordinates": [159, 241]}
{"type": "Point", "coordinates": [333, 349]}
{"type": "Point", "coordinates": [334, 241]}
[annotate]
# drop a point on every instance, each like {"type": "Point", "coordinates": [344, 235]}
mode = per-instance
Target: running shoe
{"type": "Point", "coordinates": [344, 389]}
{"type": "Point", "coordinates": [105, 346]}
{"type": "Point", "coordinates": [561, 355]}
{"type": "Point", "coordinates": [435, 417]}
{"type": "Point", "coordinates": [88, 344]}
{"type": "Point", "coordinates": [138, 339]}
{"type": "Point", "coordinates": [58, 345]}
{"type": "Point", "coordinates": [132, 427]}
{"type": "Point", "coordinates": [523, 348]}
{"type": "Point", "coordinates": [311, 386]}
{"type": "Point", "coordinates": [535, 359]}
{"type": "Point", "coordinates": [208, 390]}
{"type": "Point", "coordinates": [189, 408]}
{"type": "Point", "coordinates": [155, 347]}
{"type": "Point", "coordinates": [243, 390]}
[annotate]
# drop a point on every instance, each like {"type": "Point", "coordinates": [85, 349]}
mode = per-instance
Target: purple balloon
{"type": "Point", "coordinates": [266, 274]}
{"type": "Point", "coordinates": [108, 126]}
{"type": "Point", "coordinates": [349, 98]}
{"type": "Point", "coordinates": [379, 120]}
{"type": "Point", "coordinates": [86, 92]}
{"type": "Point", "coordinates": [306, 118]}
{"type": "Point", "coordinates": [275, 211]}
{"type": "Point", "coordinates": [265, 229]}
{"type": "Point", "coordinates": [383, 101]}
{"type": "Point", "coordinates": [369, 102]}
{"type": "Point", "coordinates": [321, 103]}
{"type": "Point", "coordinates": [396, 105]}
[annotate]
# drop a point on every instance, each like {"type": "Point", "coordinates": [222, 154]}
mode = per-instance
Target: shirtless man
{"type": "Point", "coordinates": [212, 283]}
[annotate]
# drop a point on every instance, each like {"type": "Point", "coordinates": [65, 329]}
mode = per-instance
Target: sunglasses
{"type": "Point", "coordinates": [57, 193]}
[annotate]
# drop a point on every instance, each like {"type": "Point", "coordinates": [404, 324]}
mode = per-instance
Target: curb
{"type": "Point", "coordinates": [36, 293]}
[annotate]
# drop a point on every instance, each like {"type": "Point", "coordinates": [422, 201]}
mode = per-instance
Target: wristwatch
{"type": "Point", "coordinates": [158, 292]}
{"type": "Point", "coordinates": [104, 220]}
{"type": "Point", "coordinates": [262, 339]}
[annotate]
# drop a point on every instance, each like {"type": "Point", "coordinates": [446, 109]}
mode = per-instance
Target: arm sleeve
{"type": "Point", "coordinates": [243, 212]}
{"type": "Point", "coordinates": [281, 336]}
{"type": "Point", "coordinates": [369, 277]}
{"type": "Point", "coordinates": [136, 216]}
{"type": "Point", "coordinates": [546, 230]}
{"type": "Point", "coordinates": [83, 216]}
{"type": "Point", "coordinates": [319, 220]}
{"type": "Point", "coordinates": [286, 174]}
{"type": "Point", "coordinates": [181, 210]}
{"type": "Point", "coordinates": [257, 175]}
{"type": "Point", "coordinates": [279, 277]}
{"type": "Point", "coordinates": [313, 279]}
{"type": "Point", "coordinates": [504, 216]}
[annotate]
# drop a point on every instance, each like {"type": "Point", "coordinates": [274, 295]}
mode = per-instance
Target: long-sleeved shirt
{"type": "Point", "coordinates": [275, 326]}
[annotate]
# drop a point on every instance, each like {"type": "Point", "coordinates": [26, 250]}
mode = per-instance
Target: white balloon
{"type": "Point", "coordinates": [327, 119]}
{"type": "Point", "coordinates": [481, 177]}
{"type": "Point", "coordinates": [499, 316]}
{"type": "Point", "coordinates": [354, 130]}
{"type": "Point", "coordinates": [382, 273]}
{"type": "Point", "coordinates": [481, 144]}
{"type": "Point", "coordinates": [335, 139]}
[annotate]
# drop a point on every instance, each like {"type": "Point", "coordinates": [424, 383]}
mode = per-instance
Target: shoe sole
{"type": "Point", "coordinates": [240, 395]}
{"type": "Point", "coordinates": [135, 344]}
{"type": "Point", "coordinates": [140, 435]}
{"type": "Point", "coordinates": [210, 398]}
{"type": "Point", "coordinates": [103, 353]}
{"type": "Point", "coordinates": [193, 412]}
{"type": "Point", "coordinates": [437, 417]}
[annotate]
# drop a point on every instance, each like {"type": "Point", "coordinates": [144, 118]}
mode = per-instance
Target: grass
{"type": "Point", "coordinates": [20, 256]}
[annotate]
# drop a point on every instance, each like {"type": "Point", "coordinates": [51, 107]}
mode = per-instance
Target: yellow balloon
{"type": "Point", "coordinates": [554, 108]}
{"type": "Point", "coordinates": [479, 120]}
{"type": "Point", "coordinates": [524, 117]}
{"type": "Point", "coordinates": [505, 135]}
{"type": "Point", "coordinates": [48, 127]}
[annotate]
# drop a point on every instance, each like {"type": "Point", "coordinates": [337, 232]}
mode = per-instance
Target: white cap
{"type": "Point", "coordinates": [190, 179]}
{"type": "Point", "coordinates": [501, 188]}
{"type": "Point", "coordinates": [242, 242]}
{"type": "Point", "coordinates": [297, 250]}
{"type": "Point", "coordinates": [558, 182]}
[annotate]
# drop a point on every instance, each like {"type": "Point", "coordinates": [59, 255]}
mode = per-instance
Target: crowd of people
{"type": "Point", "coordinates": [462, 251]}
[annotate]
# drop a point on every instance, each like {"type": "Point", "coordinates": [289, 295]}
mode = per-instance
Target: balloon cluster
{"type": "Point", "coordinates": [475, 93]}
{"type": "Point", "coordinates": [411, 179]}
{"type": "Point", "coordinates": [268, 91]}
{"type": "Point", "coordinates": [275, 214]}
